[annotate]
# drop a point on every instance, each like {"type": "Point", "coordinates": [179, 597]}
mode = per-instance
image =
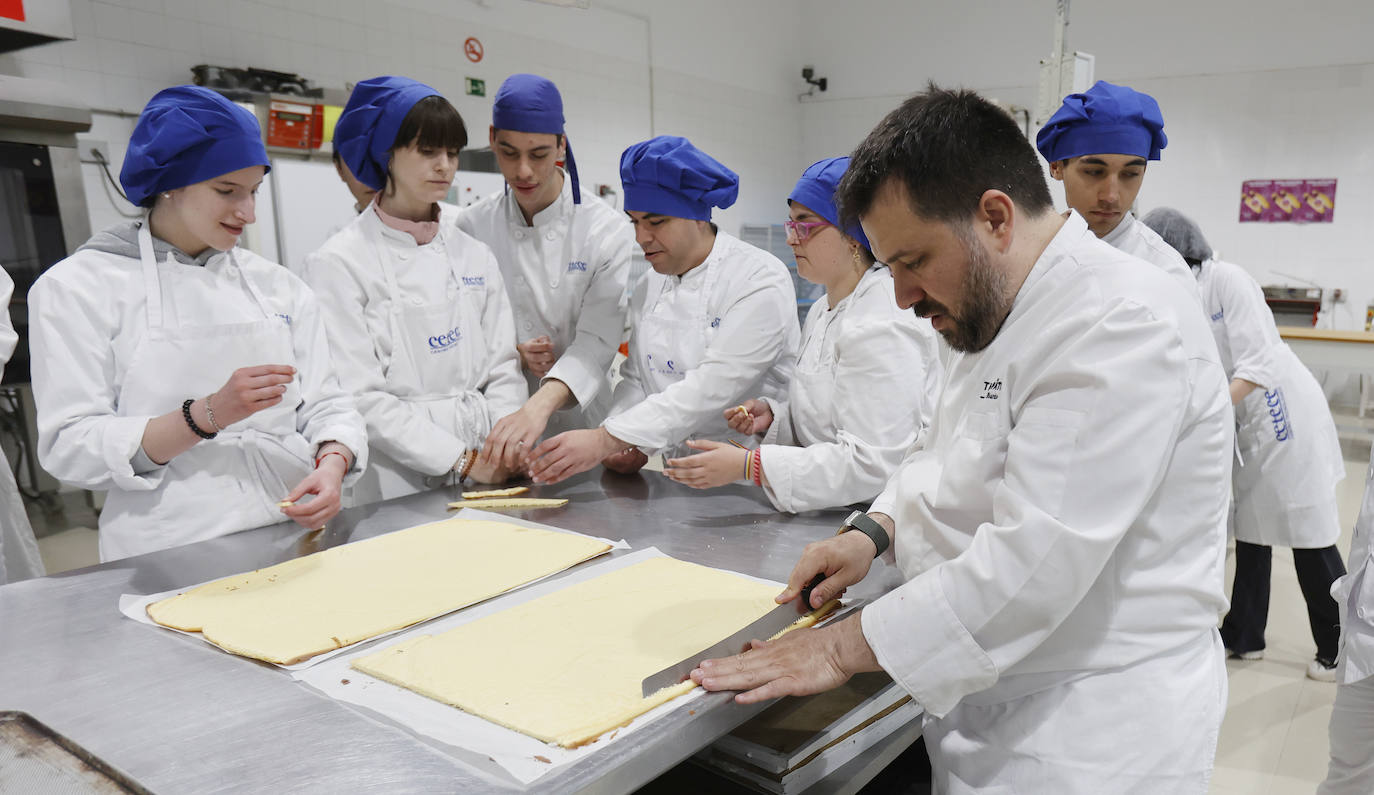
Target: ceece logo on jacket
{"type": "Point", "coordinates": [474, 281]}
{"type": "Point", "coordinates": [442, 342]}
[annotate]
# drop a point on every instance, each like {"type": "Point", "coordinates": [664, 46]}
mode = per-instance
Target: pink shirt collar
{"type": "Point", "coordinates": [424, 232]}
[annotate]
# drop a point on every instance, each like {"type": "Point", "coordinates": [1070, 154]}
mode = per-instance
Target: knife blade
{"type": "Point", "coordinates": [763, 628]}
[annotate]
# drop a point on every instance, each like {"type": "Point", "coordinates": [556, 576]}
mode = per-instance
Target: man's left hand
{"type": "Point", "coordinates": [799, 663]}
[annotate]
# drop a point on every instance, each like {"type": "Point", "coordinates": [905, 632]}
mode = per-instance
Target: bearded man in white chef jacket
{"type": "Point", "coordinates": [1063, 530]}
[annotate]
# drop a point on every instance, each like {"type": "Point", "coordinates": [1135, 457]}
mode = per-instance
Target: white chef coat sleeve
{"type": "Point", "coordinates": [327, 413]}
{"type": "Point", "coordinates": [780, 429]}
{"type": "Point", "coordinates": [9, 338]}
{"type": "Point", "coordinates": [1116, 392]}
{"type": "Point", "coordinates": [503, 388]}
{"type": "Point", "coordinates": [397, 427]}
{"type": "Point", "coordinates": [1250, 328]}
{"type": "Point", "coordinates": [82, 440]}
{"type": "Point", "coordinates": [584, 365]}
{"type": "Point", "coordinates": [879, 399]}
{"type": "Point", "coordinates": [747, 343]}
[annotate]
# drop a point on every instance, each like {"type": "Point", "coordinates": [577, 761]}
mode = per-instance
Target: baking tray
{"type": "Point", "coordinates": [34, 758]}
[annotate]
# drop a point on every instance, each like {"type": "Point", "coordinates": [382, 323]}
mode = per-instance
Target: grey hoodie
{"type": "Point", "coordinates": [122, 239]}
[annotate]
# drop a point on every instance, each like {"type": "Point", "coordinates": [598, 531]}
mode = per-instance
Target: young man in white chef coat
{"type": "Point", "coordinates": [564, 256]}
{"type": "Point", "coordinates": [1063, 529]}
{"type": "Point", "coordinates": [713, 323]}
{"type": "Point", "coordinates": [1099, 144]}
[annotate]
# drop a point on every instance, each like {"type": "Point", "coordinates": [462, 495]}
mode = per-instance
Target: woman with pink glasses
{"type": "Point", "coordinates": [865, 383]}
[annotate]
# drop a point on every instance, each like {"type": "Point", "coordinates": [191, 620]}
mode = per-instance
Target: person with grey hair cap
{"type": "Point", "coordinates": [1289, 458]}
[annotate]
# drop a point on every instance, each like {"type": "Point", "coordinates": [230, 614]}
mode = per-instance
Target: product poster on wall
{"type": "Point", "coordinates": [1254, 199]}
{"type": "Point", "coordinates": [1318, 201]}
{"type": "Point", "coordinates": [1304, 201]}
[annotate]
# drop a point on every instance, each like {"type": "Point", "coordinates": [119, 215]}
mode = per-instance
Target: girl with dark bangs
{"type": "Point", "coordinates": [421, 328]}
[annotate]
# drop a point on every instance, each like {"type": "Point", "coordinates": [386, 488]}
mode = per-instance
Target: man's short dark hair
{"type": "Point", "coordinates": [947, 147]}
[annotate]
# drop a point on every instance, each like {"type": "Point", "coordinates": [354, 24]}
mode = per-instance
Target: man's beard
{"type": "Point", "coordinates": [983, 301]}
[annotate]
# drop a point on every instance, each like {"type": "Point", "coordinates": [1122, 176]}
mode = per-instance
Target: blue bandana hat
{"type": "Point", "coordinates": [366, 130]}
{"type": "Point", "coordinates": [1105, 119]}
{"type": "Point", "coordinates": [667, 175]}
{"type": "Point", "coordinates": [185, 135]}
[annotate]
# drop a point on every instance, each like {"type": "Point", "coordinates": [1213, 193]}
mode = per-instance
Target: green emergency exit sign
{"type": "Point", "coordinates": [476, 88]}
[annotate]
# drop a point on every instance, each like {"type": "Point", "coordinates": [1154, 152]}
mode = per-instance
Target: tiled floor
{"type": "Point", "coordinates": [1273, 741]}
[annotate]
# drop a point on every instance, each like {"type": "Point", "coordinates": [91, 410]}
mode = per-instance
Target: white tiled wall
{"type": "Point", "coordinates": [723, 71]}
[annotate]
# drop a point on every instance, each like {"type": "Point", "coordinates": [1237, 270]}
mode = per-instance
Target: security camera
{"type": "Point", "coordinates": [807, 73]}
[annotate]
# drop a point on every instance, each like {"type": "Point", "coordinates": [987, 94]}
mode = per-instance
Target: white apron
{"type": "Point", "coordinates": [673, 337]}
{"type": "Point", "coordinates": [438, 352]}
{"type": "Point", "coordinates": [19, 558]}
{"type": "Point", "coordinates": [219, 486]}
{"type": "Point", "coordinates": [1290, 462]}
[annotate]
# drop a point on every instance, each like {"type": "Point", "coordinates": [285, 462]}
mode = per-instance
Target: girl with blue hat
{"type": "Point", "coordinates": [1098, 144]}
{"type": "Point", "coordinates": [189, 378]}
{"type": "Point", "coordinates": [417, 312]}
{"type": "Point", "coordinates": [713, 323]}
{"type": "Point", "coordinates": [564, 256]}
{"type": "Point", "coordinates": [866, 378]}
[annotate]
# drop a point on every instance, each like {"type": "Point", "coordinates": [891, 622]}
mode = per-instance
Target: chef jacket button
{"type": "Point", "coordinates": [519, 235]}
{"type": "Point", "coordinates": [403, 257]}
{"type": "Point", "coordinates": [528, 326]}
{"type": "Point", "coordinates": [553, 283]}
{"type": "Point", "coordinates": [417, 300]}
{"type": "Point", "coordinates": [231, 271]}
{"type": "Point", "coordinates": [520, 279]}
{"type": "Point", "coordinates": [550, 236]}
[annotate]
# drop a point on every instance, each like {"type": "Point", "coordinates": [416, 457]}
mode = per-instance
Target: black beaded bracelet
{"type": "Point", "coordinates": [186, 412]}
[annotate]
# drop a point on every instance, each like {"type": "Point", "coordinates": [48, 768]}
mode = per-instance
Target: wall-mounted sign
{"type": "Point", "coordinates": [1304, 201]}
{"type": "Point", "coordinates": [12, 9]}
{"type": "Point", "coordinates": [475, 87]}
{"type": "Point", "coordinates": [472, 48]}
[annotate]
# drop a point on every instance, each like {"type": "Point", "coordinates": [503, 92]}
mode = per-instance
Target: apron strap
{"type": "Point", "coordinates": [151, 284]}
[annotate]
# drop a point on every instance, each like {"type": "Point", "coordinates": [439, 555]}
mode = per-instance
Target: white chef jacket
{"type": "Point", "coordinates": [19, 557]}
{"type": "Point", "coordinates": [1067, 513]}
{"type": "Point", "coordinates": [565, 274]}
{"type": "Point", "coordinates": [1290, 456]}
{"type": "Point", "coordinates": [864, 388]}
{"type": "Point", "coordinates": [88, 319]}
{"type": "Point", "coordinates": [744, 344]}
{"type": "Point", "coordinates": [1142, 242]}
{"type": "Point", "coordinates": [1354, 594]}
{"type": "Point", "coordinates": [418, 428]}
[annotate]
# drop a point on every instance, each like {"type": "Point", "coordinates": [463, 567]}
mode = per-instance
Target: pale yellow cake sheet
{"type": "Point", "coordinates": [307, 606]}
{"type": "Point", "coordinates": [567, 667]}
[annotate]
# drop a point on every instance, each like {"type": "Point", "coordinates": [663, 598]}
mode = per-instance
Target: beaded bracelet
{"type": "Point", "coordinates": [758, 466]}
{"type": "Point", "coordinates": [186, 412]}
{"type": "Point", "coordinates": [471, 458]}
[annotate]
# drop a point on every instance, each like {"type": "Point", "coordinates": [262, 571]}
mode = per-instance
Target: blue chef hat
{"type": "Point", "coordinates": [532, 104]}
{"type": "Point", "coordinates": [816, 190]}
{"type": "Point", "coordinates": [1105, 119]}
{"type": "Point", "coordinates": [188, 134]}
{"type": "Point", "coordinates": [367, 128]}
{"type": "Point", "coordinates": [669, 176]}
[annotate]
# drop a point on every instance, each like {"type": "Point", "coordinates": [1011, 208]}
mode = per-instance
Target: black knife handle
{"type": "Point", "coordinates": [809, 587]}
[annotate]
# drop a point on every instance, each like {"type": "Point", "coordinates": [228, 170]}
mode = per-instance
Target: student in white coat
{"type": "Point", "coordinates": [190, 378]}
{"type": "Point", "coordinates": [713, 324]}
{"type": "Point", "coordinates": [418, 317]}
{"type": "Point", "coordinates": [866, 378]}
{"type": "Point", "coordinates": [19, 558]}
{"type": "Point", "coordinates": [1098, 144]}
{"type": "Point", "coordinates": [564, 256]}
{"type": "Point", "coordinates": [1063, 527]}
{"type": "Point", "coordinates": [1351, 770]}
{"type": "Point", "coordinates": [1289, 457]}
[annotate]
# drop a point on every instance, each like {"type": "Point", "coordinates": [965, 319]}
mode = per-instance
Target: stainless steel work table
{"type": "Point", "coordinates": [180, 716]}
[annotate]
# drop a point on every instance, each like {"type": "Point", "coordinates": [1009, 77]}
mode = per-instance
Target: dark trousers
{"type": "Point", "coordinates": [1243, 629]}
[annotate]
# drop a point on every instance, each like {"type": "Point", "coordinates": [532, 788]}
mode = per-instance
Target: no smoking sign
{"type": "Point", "coordinates": [472, 48]}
